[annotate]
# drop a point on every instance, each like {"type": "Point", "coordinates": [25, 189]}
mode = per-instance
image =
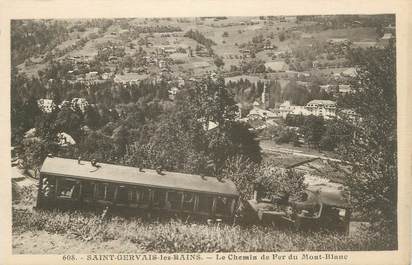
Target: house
{"type": "Point", "coordinates": [302, 83]}
{"type": "Point", "coordinates": [262, 114]}
{"type": "Point", "coordinates": [338, 41]}
{"type": "Point", "coordinates": [285, 108]}
{"type": "Point", "coordinates": [300, 110]}
{"type": "Point", "coordinates": [387, 37]}
{"type": "Point", "coordinates": [268, 47]}
{"type": "Point", "coordinates": [291, 19]}
{"type": "Point", "coordinates": [277, 66]}
{"type": "Point", "coordinates": [344, 89]}
{"type": "Point", "coordinates": [306, 36]}
{"type": "Point", "coordinates": [324, 108]}
{"type": "Point", "coordinates": [130, 78]}
{"type": "Point", "coordinates": [91, 76]}
{"type": "Point", "coordinates": [169, 49]}
{"type": "Point", "coordinates": [172, 92]}
{"type": "Point", "coordinates": [326, 88]}
{"type": "Point", "coordinates": [106, 76]}
{"type": "Point", "coordinates": [245, 52]}
{"type": "Point", "coordinates": [162, 63]}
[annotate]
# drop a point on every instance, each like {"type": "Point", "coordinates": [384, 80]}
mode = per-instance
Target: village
{"type": "Point", "coordinates": [222, 118]}
{"type": "Point", "coordinates": [252, 52]}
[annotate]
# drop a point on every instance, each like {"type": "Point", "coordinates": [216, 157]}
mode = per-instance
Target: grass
{"type": "Point", "coordinates": [55, 231]}
{"type": "Point", "coordinates": [177, 236]}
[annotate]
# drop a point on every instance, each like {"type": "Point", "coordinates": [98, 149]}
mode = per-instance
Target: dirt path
{"type": "Point", "coordinates": [41, 242]}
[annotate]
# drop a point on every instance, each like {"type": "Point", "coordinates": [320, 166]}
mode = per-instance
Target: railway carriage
{"type": "Point", "coordinates": [69, 183]}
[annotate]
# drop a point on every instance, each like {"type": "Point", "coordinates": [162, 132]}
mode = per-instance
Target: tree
{"type": "Point", "coordinates": [373, 149]}
{"type": "Point", "coordinates": [313, 129]}
{"type": "Point", "coordinates": [198, 135]}
{"type": "Point", "coordinates": [336, 134]}
{"type": "Point", "coordinates": [218, 62]}
{"type": "Point", "coordinates": [281, 181]}
{"type": "Point", "coordinates": [282, 36]}
{"type": "Point", "coordinates": [243, 173]}
{"type": "Point", "coordinates": [69, 121]}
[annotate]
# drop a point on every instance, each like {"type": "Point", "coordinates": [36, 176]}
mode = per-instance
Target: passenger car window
{"type": "Point", "coordinates": [223, 205]}
{"type": "Point", "coordinates": [87, 190]}
{"type": "Point", "coordinates": [122, 194]}
{"type": "Point", "coordinates": [174, 199]}
{"type": "Point", "coordinates": [138, 195]}
{"type": "Point", "coordinates": [159, 197]}
{"type": "Point", "coordinates": [68, 189]}
{"type": "Point", "coordinates": [205, 203]}
{"type": "Point", "coordinates": [101, 190]}
{"type": "Point", "coordinates": [105, 191]}
{"type": "Point", "coordinates": [188, 201]}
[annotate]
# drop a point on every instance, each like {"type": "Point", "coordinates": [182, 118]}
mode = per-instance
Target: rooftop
{"type": "Point", "coordinates": [321, 102]}
{"type": "Point", "coordinates": [130, 175]}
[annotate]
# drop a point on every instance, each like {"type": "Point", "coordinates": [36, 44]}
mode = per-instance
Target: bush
{"type": "Point", "coordinates": [281, 181]}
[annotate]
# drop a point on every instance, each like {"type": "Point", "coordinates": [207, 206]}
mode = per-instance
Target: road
{"type": "Point", "coordinates": [21, 179]}
{"type": "Point", "coordinates": [270, 149]}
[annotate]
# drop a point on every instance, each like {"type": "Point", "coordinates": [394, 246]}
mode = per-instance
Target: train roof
{"type": "Point", "coordinates": [130, 175]}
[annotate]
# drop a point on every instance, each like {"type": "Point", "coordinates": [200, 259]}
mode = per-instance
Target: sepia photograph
{"type": "Point", "coordinates": [204, 134]}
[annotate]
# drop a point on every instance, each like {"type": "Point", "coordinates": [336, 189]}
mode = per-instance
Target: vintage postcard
{"type": "Point", "coordinates": [175, 131]}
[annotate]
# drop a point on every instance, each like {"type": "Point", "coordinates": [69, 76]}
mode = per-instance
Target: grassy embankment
{"type": "Point", "coordinates": [98, 233]}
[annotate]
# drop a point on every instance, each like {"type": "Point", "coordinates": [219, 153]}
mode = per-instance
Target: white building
{"type": "Point", "coordinates": [324, 108]}
{"type": "Point", "coordinates": [258, 113]}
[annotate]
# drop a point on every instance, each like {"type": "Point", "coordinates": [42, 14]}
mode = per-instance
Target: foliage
{"type": "Point", "coordinates": [253, 66]}
{"type": "Point", "coordinates": [373, 149]}
{"type": "Point", "coordinates": [198, 135]}
{"type": "Point", "coordinates": [242, 171]}
{"type": "Point", "coordinates": [33, 37]}
{"type": "Point", "coordinates": [281, 181]}
{"type": "Point", "coordinates": [336, 134]}
{"type": "Point", "coordinates": [294, 120]}
{"type": "Point", "coordinates": [313, 129]}
{"type": "Point", "coordinates": [177, 236]}
{"type": "Point", "coordinates": [282, 36]}
{"type": "Point", "coordinates": [32, 152]}
{"type": "Point", "coordinates": [218, 61]}
{"type": "Point", "coordinates": [280, 134]}
{"type": "Point", "coordinates": [199, 37]}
